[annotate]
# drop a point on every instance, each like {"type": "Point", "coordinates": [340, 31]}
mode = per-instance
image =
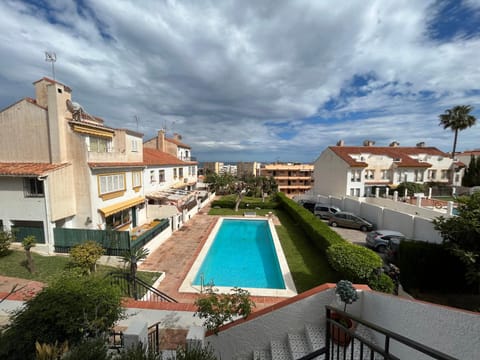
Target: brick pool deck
{"type": "Point", "coordinates": [177, 254]}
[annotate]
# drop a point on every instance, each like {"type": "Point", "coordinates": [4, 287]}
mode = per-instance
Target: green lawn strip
{"type": "Point", "coordinates": [307, 264]}
{"type": "Point", "coordinates": [240, 212]}
{"type": "Point", "coordinates": [49, 267]}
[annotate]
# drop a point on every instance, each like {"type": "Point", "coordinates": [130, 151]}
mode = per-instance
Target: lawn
{"type": "Point", "coordinates": [49, 267]}
{"type": "Point", "coordinates": [307, 264]}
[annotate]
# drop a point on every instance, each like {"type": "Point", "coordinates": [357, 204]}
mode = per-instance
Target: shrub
{"type": "Point", "coordinates": [430, 267]}
{"type": "Point", "coordinates": [217, 309]}
{"type": "Point", "coordinates": [86, 255]}
{"type": "Point", "coordinates": [195, 353]}
{"type": "Point", "coordinates": [356, 263]}
{"type": "Point", "coordinates": [382, 283]}
{"type": "Point", "coordinates": [71, 309]}
{"type": "Point", "coordinates": [317, 231]}
{"type": "Point", "coordinates": [6, 238]}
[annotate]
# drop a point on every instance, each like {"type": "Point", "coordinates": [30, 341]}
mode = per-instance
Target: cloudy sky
{"type": "Point", "coordinates": [255, 80]}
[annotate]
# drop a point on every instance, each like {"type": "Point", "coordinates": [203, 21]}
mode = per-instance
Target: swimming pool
{"type": "Point", "coordinates": [244, 253]}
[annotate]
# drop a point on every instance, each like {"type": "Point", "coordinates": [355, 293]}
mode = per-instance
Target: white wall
{"type": "Point", "coordinates": [452, 331]}
{"type": "Point", "coordinates": [413, 221]}
{"type": "Point", "coordinates": [330, 174]}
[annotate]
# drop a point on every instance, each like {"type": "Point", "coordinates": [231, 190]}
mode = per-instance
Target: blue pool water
{"type": "Point", "coordinates": [242, 254]}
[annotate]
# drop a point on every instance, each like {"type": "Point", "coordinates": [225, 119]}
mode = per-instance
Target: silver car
{"type": "Point", "coordinates": [379, 239]}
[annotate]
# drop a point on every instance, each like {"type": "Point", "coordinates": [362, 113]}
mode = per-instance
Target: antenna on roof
{"type": "Point", "coordinates": [51, 57]}
{"type": "Point", "coordinates": [136, 120]}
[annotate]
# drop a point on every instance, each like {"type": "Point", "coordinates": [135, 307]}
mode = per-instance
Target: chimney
{"type": "Point", "coordinates": [161, 140]}
{"type": "Point", "coordinates": [394, 143]}
{"type": "Point", "coordinates": [340, 143]}
{"type": "Point", "coordinates": [368, 143]}
{"type": "Point", "coordinates": [421, 144]}
{"type": "Point", "coordinates": [177, 136]}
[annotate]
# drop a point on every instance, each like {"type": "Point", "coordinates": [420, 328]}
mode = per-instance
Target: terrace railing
{"type": "Point", "coordinates": [361, 348]}
{"type": "Point", "coordinates": [138, 289]}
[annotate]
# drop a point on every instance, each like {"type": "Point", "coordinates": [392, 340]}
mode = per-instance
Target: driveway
{"type": "Point", "coordinates": [351, 235]}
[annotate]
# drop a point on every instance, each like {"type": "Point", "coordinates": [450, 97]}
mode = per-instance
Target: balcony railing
{"type": "Point", "coordinates": [361, 348]}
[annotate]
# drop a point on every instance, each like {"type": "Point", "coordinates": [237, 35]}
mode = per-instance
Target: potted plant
{"type": "Point", "coordinates": [348, 295]}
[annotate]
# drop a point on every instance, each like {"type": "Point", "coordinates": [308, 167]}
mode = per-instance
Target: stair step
{"type": "Point", "coordinates": [262, 355]}
{"type": "Point", "coordinates": [315, 336]}
{"type": "Point", "coordinates": [279, 350]}
{"type": "Point", "coordinates": [298, 345]}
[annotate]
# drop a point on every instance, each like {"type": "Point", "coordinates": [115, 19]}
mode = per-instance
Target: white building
{"type": "Point", "coordinates": [356, 170]}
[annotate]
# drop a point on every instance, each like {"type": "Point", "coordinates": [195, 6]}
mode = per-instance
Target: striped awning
{"type": "Point", "coordinates": [112, 209]}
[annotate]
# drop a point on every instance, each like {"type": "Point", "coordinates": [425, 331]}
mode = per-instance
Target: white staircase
{"type": "Point", "coordinates": [312, 338]}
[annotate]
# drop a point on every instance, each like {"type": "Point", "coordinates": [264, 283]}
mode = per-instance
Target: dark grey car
{"type": "Point", "coordinates": [347, 219]}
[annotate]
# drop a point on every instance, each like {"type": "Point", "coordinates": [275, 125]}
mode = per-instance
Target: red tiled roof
{"type": "Point", "coordinates": [157, 157]}
{"type": "Point", "coordinates": [115, 164]}
{"type": "Point", "coordinates": [28, 169]}
{"type": "Point", "coordinates": [178, 143]}
{"type": "Point", "coordinates": [401, 152]}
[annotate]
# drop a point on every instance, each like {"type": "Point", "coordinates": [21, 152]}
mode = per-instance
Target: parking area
{"type": "Point", "coordinates": [352, 235]}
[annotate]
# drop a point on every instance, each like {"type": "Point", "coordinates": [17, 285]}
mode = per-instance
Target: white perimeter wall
{"type": "Point", "coordinates": [413, 221]}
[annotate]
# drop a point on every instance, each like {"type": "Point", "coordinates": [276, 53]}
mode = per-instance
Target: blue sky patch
{"type": "Point", "coordinates": [453, 20]}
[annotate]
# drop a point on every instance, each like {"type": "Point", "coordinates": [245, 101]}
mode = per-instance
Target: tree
{"type": "Point", "coordinates": [71, 309]}
{"type": "Point", "coordinates": [131, 258]}
{"type": "Point", "coordinates": [27, 243]}
{"type": "Point", "coordinates": [472, 173]}
{"type": "Point", "coordinates": [458, 118]}
{"type": "Point", "coordinates": [86, 255]}
{"type": "Point", "coordinates": [461, 236]}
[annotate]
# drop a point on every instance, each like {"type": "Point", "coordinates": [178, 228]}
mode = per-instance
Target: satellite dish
{"type": "Point", "coordinates": [76, 109]}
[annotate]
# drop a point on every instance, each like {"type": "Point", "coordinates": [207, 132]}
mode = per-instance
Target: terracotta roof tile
{"type": "Point", "coordinates": [401, 152]}
{"type": "Point", "coordinates": [178, 143]}
{"type": "Point", "coordinates": [28, 169]}
{"type": "Point", "coordinates": [157, 157]}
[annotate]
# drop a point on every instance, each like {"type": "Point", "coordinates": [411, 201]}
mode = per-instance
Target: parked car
{"type": "Point", "coordinates": [382, 240]}
{"type": "Point", "coordinates": [347, 219]}
{"type": "Point", "coordinates": [308, 204]}
{"type": "Point", "coordinates": [325, 211]}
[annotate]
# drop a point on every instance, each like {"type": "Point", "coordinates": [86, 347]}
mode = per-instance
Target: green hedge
{"type": "Point", "coordinates": [356, 263]}
{"type": "Point", "coordinates": [383, 283]}
{"type": "Point", "coordinates": [431, 267]}
{"type": "Point", "coordinates": [229, 203]}
{"type": "Point", "coordinates": [318, 231]}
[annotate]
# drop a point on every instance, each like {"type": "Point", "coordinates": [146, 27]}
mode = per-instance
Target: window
{"type": "Point", "coordinates": [152, 176]}
{"type": "Point", "coordinates": [111, 183]}
{"type": "Point", "coordinates": [32, 187]}
{"type": "Point", "coordinates": [136, 179]}
{"type": "Point", "coordinates": [180, 173]}
{"type": "Point", "coordinates": [99, 145]}
{"type": "Point", "coordinates": [418, 175]}
{"type": "Point", "coordinates": [432, 174]}
{"type": "Point", "coordinates": [444, 174]}
{"type": "Point", "coordinates": [161, 176]}
{"type": "Point", "coordinates": [369, 174]}
{"type": "Point", "coordinates": [193, 170]}
{"type": "Point", "coordinates": [385, 175]}
{"type": "Point", "coordinates": [356, 175]}
{"type": "Point", "coordinates": [117, 220]}
{"type": "Point", "coordinates": [134, 145]}
{"type": "Point", "coordinates": [174, 173]}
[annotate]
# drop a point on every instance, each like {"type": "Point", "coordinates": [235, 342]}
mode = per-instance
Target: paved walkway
{"type": "Point", "coordinates": [176, 256]}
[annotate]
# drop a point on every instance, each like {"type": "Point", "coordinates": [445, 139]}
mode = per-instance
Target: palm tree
{"type": "Point", "coordinates": [457, 118]}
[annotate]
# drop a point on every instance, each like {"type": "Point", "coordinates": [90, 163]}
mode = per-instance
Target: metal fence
{"type": "Point", "coordinates": [114, 242]}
